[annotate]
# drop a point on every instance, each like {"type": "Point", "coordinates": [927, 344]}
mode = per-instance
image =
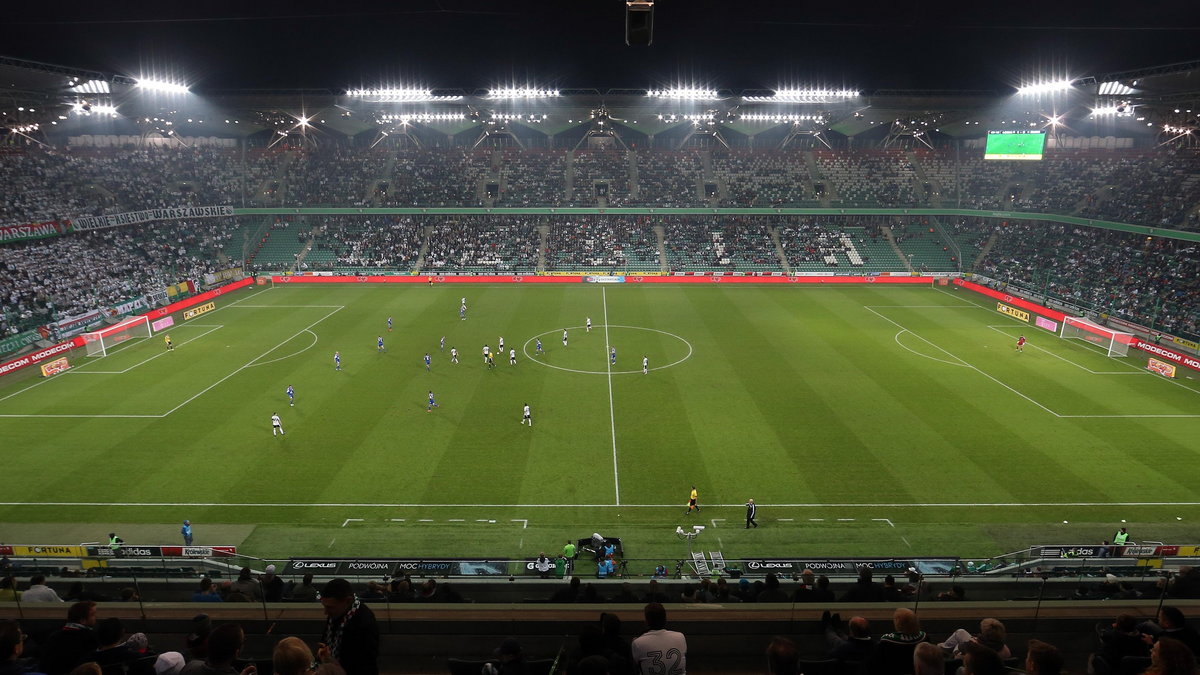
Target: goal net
{"type": "Point", "coordinates": [98, 343]}
{"type": "Point", "coordinates": [1114, 342]}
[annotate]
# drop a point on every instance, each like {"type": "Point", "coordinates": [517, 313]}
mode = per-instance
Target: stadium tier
{"type": "Point", "coordinates": [1132, 186]}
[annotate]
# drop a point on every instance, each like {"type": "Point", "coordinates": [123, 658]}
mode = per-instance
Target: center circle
{"type": "Point", "coordinates": [553, 344]}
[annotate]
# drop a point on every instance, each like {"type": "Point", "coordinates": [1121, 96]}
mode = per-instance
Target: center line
{"type": "Point", "coordinates": [612, 420]}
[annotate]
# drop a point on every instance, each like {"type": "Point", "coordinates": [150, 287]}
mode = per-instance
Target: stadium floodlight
{"type": "Point", "coordinates": [1115, 89]}
{"type": "Point", "coordinates": [90, 87]}
{"type": "Point", "coordinates": [162, 86]}
{"type": "Point", "coordinates": [781, 117]}
{"type": "Point", "coordinates": [688, 93]}
{"type": "Point", "coordinates": [1047, 87]}
{"type": "Point", "coordinates": [521, 92]}
{"type": "Point", "coordinates": [421, 117]}
{"type": "Point", "coordinates": [805, 96]}
{"type": "Point", "coordinates": [400, 95]}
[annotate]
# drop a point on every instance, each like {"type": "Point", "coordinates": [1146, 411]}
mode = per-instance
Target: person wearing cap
{"type": "Point", "coordinates": [186, 531]}
{"type": "Point", "coordinates": [168, 663]}
{"type": "Point", "coordinates": [351, 637]}
{"type": "Point", "coordinates": [510, 660]}
{"type": "Point", "coordinates": [272, 585]}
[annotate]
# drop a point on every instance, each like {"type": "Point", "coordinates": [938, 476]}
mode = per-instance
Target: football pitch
{"type": "Point", "coordinates": [869, 420]}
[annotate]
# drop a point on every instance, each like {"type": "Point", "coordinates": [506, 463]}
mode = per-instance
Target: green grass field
{"type": "Point", "coordinates": [863, 420]}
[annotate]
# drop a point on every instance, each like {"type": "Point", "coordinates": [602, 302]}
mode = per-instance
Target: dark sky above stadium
{"type": "Point", "coordinates": [480, 43]}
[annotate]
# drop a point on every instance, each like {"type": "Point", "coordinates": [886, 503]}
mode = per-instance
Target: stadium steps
{"type": "Point", "coordinates": [308, 246]}
{"type": "Point", "coordinates": [787, 269]}
{"type": "Point", "coordinates": [635, 186]}
{"type": "Point", "coordinates": [543, 237]}
{"type": "Point", "coordinates": [887, 232]}
{"type": "Point", "coordinates": [815, 176]}
{"type": "Point", "coordinates": [424, 250]}
{"type": "Point", "coordinates": [661, 236]}
{"type": "Point", "coordinates": [983, 253]}
{"type": "Point", "coordinates": [924, 179]}
{"type": "Point", "coordinates": [569, 189]}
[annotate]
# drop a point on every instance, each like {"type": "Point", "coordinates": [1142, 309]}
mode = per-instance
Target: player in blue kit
{"type": "Point", "coordinates": [612, 355]}
{"type": "Point", "coordinates": [432, 403]}
{"type": "Point", "coordinates": [291, 395]}
{"type": "Point", "coordinates": [389, 324]}
{"type": "Point", "coordinates": [462, 312]}
{"type": "Point", "coordinates": [337, 360]}
{"type": "Point", "coordinates": [379, 344]}
{"type": "Point", "coordinates": [539, 347]}
{"type": "Point", "coordinates": [426, 361]}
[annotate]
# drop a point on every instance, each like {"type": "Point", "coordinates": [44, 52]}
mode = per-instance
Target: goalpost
{"type": "Point", "coordinates": [99, 342]}
{"type": "Point", "coordinates": [1115, 342]}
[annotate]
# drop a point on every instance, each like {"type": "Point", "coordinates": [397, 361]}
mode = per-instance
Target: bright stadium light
{"type": "Point", "coordinates": [400, 95]}
{"type": "Point", "coordinates": [162, 86]}
{"type": "Point", "coordinates": [1048, 87]}
{"type": "Point", "coordinates": [421, 117]}
{"type": "Point", "coordinates": [806, 95]}
{"type": "Point", "coordinates": [1115, 89]}
{"type": "Point", "coordinates": [521, 92]}
{"type": "Point", "coordinates": [687, 93]}
{"type": "Point", "coordinates": [90, 87]}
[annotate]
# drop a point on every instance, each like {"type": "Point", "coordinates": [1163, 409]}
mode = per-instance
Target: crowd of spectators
{"type": "Point", "coordinates": [350, 641]}
{"type": "Point", "coordinates": [437, 177]}
{"type": "Point", "coordinates": [1151, 281]}
{"type": "Point", "coordinates": [356, 242]}
{"type": "Point", "coordinates": [667, 178]}
{"type": "Point", "coordinates": [50, 279]}
{"type": "Point", "coordinates": [484, 244]}
{"type": "Point", "coordinates": [757, 178]}
{"type": "Point", "coordinates": [607, 245]}
{"type": "Point", "coordinates": [1153, 188]}
{"type": "Point", "coordinates": [335, 176]}
{"type": "Point", "coordinates": [601, 172]}
{"type": "Point", "coordinates": [877, 178]}
{"type": "Point", "coordinates": [733, 244]}
{"type": "Point", "coordinates": [532, 178]}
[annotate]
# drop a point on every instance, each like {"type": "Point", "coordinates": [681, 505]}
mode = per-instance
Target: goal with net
{"type": "Point", "coordinates": [98, 343]}
{"type": "Point", "coordinates": [1114, 342]}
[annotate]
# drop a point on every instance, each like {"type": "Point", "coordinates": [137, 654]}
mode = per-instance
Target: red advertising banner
{"type": "Point", "coordinates": [39, 356]}
{"type": "Point", "coordinates": [1172, 356]}
{"type": "Point", "coordinates": [197, 299]}
{"type": "Point", "coordinates": [1011, 299]}
{"type": "Point", "coordinates": [50, 228]}
{"type": "Point", "coordinates": [575, 279]}
{"type": "Point", "coordinates": [49, 352]}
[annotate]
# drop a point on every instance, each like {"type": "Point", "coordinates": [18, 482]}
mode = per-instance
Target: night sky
{"type": "Point", "coordinates": [473, 44]}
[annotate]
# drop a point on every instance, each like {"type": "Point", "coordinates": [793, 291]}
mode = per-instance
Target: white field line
{"type": "Point", "coordinates": [524, 522]}
{"type": "Point", "coordinates": [873, 505]}
{"type": "Point", "coordinates": [612, 420]}
{"type": "Point", "coordinates": [972, 367]}
{"type": "Point", "coordinates": [925, 356]}
{"type": "Point", "coordinates": [249, 363]}
{"type": "Point", "coordinates": [714, 521]}
{"type": "Point", "coordinates": [233, 304]}
{"type": "Point", "coordinates": [1063, 358]}
{"type": "Point", "coordinates": [144, 361]}
{"type": "Point", "coordinates": [310, 346]}
{"type": "Point", "coordinates": [351, 520]}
